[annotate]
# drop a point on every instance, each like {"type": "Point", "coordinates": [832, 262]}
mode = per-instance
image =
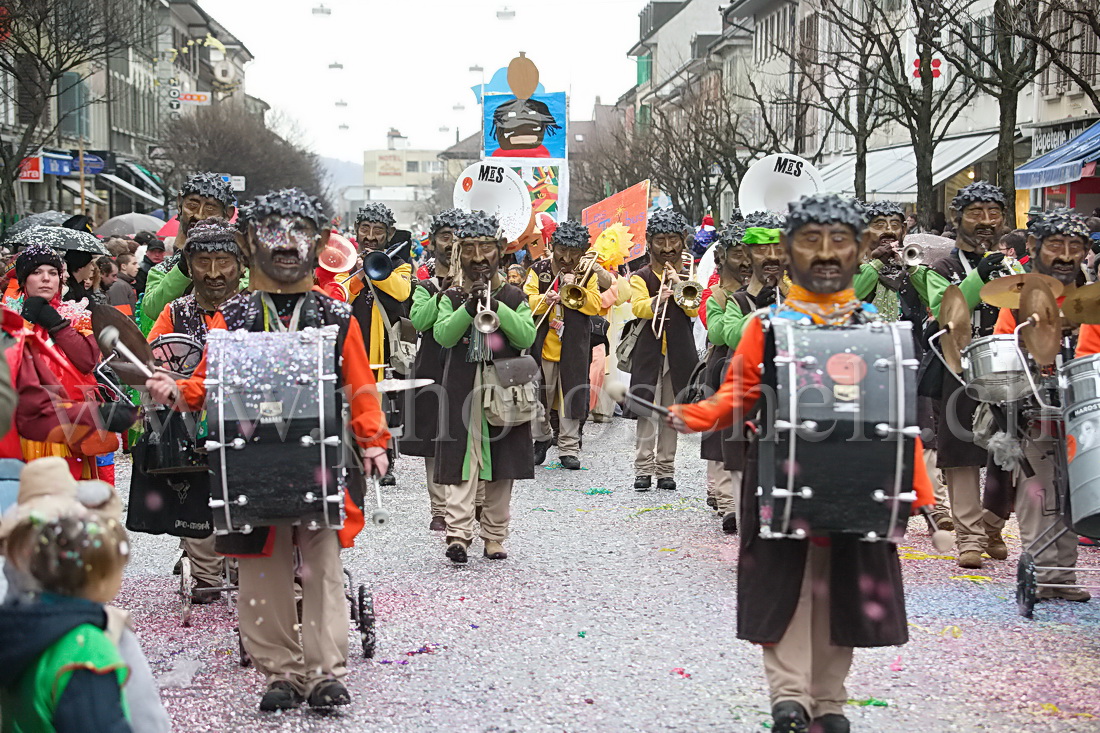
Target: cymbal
{"type": "Point", "coordinates": [1004, 292]}
{"type": "Point", "coordinates": [955, 317]}
{"type": "Point", "coordinates": [400, 385]}
{"type": "Point", "coordinates": [1042, 336]}
{"type": "Point", "coordinates": [128, 332]}
{"type": "Point", "coordinates": [1083, 304]}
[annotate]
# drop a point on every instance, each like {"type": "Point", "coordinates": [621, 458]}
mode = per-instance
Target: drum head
{"type": "Point", "coordinates": [1043, 337]}
{"type": "Point", "coordinates": [177, 353]}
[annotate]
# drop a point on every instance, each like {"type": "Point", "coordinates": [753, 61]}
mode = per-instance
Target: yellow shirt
{"type": "Point", "coordinates": [398, 286]}
{"type": "Point", "coordinates": [551, 347]}
{"type": "Point", "coordinates": [642, 303]}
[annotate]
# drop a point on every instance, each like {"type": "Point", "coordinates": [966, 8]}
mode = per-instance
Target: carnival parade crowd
{"type": "Point", "coordinates": [271, 376]}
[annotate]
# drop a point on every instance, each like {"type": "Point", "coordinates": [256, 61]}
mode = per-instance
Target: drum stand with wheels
{"type": "Point", "coordinates": [1027, 585]}
{"type": "Point", "coordinates": [187, 583]}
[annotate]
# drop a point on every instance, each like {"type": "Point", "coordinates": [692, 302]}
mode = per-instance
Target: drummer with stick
{"type": "Point", "coordinates": [808, 601]}
{"type": "Point", "coordinates": [302, 659]}
{"type": "Point", "coordinates": [215, 265]}
{"type": "Point", "coordinates": [1058, 243]}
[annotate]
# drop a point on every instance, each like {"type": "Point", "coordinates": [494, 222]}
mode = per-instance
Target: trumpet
{"type": "Point", "coordinates": [485, 320]}
{"type": "Point", "coordinates": [686, 292]}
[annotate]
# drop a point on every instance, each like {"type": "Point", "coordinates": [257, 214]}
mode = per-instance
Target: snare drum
{"type": "Point", "coordinates": [995, 370]}
{"type": "Point", "coordinates": [1081, 397]}
{"type": "Point", "coordinates": [837, 456]}
{"type": "Point", "coordinates": [276, 433]}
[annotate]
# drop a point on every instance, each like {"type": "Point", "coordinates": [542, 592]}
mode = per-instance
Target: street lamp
{"type": "Point", "coordinates": [506, 13]}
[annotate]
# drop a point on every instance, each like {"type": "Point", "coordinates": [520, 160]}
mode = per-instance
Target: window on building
{"type": "Point", "coordinates": [72, 105]}
{"type": "Point", "coordinates": [645, 68]}
{"type": "Point", "coordinates": [643, 117]}
{"type": "Point", "coordinates": [412, 166]}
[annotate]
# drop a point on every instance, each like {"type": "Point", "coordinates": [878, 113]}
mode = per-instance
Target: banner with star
{"type": "Point", "coordinates": [629, 207]}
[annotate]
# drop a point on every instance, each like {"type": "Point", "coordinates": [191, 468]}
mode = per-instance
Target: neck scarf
{"type": "Point", "coordinates": [823, 308]}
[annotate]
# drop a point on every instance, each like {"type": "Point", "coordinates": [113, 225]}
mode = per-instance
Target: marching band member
{"type": "Point", "coordinates": [422, 419]}
{"type": "Point", "coordinates": [808, 602]}
{"type": "Point", "coordinates": [979, 221]}
{"type": "Point", "coordinates": [661, 365]}
{"type": "Point", "coordinates": [563, 343]}
{"type": "Point", "coordinates": [202, 196]}
{"type": "Point", "coordinates": [281, 235]}
{"type": "Point", "coordinates": [214, 264]}
{"type": "Point", "coordinates": [479, 456]}
{"type": "Point", "coordinates": [1058, 243]}
{"type": "Point", "coordinates": [376, 302]}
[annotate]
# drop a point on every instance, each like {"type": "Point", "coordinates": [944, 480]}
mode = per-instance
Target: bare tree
{"type": "Point", "coordinates": [1070, 41]}
{"type": "Point", "coordinates": [927, 103]}
{"type": "Point", "coordinates": [49, 49]}
{"type": "Point", "coordinates": [222, 138]}
{"type": "Point", "coordinates": [995, 49]}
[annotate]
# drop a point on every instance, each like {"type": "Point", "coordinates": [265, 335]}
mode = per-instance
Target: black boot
{"type": "Point", "coordinates": [280, 695]}
{"type": "Point", "coordinates": [831, 723]}
{"type": "Point", "coordinates": [789, 717]}
{"type": "Point", "coordinates": [571, 462]}
{"type": "Point", "coordinates": [328, 694]}
{"type": "Point", "coordinates": [667, 483]}
{"type": "Point", "coordinates": [729, 523]}
{"type": "Point", "coordinates": [541, 446]}
{"type": "Point", "coordinates": [712, 502]}
{"type": "Point", "coordinates": [642, 483]}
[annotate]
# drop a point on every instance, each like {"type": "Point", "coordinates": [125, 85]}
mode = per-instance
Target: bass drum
{"type": "Point", "coordinates": [1081, 400]}
{"type": "Point", "coordinates": [844, 396]}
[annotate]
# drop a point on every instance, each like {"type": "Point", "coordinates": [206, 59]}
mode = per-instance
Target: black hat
{"type": "Point", "coordinates": [31, 258]}
{"type": "Point", "coordinates": [155, 245]}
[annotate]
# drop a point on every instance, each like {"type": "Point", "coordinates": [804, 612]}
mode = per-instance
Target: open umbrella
{"type": "Point", "coordinates": [46, 218]}
{"type": "Point", "coordinates": [128, 225]}
{"type": "Point", "coordinates": [171, 228]}
{"type": "Point", "coordinates": [60, 238]}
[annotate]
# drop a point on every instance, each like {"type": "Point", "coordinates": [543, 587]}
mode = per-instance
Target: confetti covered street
{"type": "Point", "coordinates": [615, 611]}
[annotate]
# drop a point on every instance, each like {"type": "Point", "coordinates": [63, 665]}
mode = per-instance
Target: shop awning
{"type": "Point", "coordinates": [74, 188]}
{"type": "Point", "coordinates": [129, 190]}
{"type": "Point", "coordinates": [143, 177]}
{"type": "Point", "coordinates": [892, 172]}
{"type": "Point", "coordinates": [1064, 164]}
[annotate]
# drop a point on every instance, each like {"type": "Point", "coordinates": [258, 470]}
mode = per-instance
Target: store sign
{"type": "Point", "coordinates": [1056, 190]}
{"type": "Point", "coordinates": [237, 183]}
{"type": "Point", "coordinates": [1046, 139]}
{"type": "Point", "coordinates": [57, 166]}
{"type": "Point", "coordinates": [93, 164]}
{"type": "Point", "coordinates": [30, 170]}
{"type": "Point", "coordinates": [195, 99]}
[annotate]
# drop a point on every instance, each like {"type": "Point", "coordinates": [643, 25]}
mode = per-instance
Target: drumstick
{"type": "Point", "coordinates": [941, 539]}
{"type": "Point", "coordinates": [109, 340]}
{"type": "Point", "coordinates": [617, 391]}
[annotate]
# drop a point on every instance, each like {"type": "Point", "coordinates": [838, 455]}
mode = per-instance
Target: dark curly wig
{"type": "Point", "coordinates": [477, 225]}
{"type": "Point", "coordinates": [666, 221]}
{"type": "Point", "coordinates": [447, 219]}
{"type": "Point", "coordinates": [977, 192]}
{"type": "Point", "coordinates": [375, 213]}
{"type": "Point", "coordinates": [213, 235]}
{"type": "Point", "coordinates": [825, 208]}
{"type": "Point", "coordinates": [209, 185]}
{"type": "Point", "coordinates": [1059, 221]}
{"type": "Point", "coordinates": [875, 209]}
{"type": "Point", "coordinates": [571, 234]}
{"type": "Point", "coordinates": [286, 202]}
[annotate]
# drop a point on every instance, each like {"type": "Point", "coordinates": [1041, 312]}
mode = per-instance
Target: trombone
{"type": "Point", "coordinates": [686, 292]}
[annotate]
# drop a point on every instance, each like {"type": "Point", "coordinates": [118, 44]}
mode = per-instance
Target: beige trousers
{"type": "Point", "coordinates": [569, 430]}
{"type": "Point", "coordinates": [939, 488]}
{"type": "Point", "coordinates": [724, 486]}
{"type": "Point", "coordinates": [495, 498]}
{"type": "Point", "coordinates": [656, 440]}
{"type": "Point", "coordinates": [964, 491]}
{"type": "Point", "coordinates": [206, 565]}
{"type": "Point", "coordinates": [302, 653]}
{"type": "Point", "coordinates": [1037, 510]}
{"type": "Point", "coordinates": [437, 493]}
{"type": "Point", "coordinates": [805, 666]}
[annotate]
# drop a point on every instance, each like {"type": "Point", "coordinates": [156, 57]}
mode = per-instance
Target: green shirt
{"type": "Point", "coordinates": [29, 706]}
{"type": "Point", "coordinates": [450, 327]}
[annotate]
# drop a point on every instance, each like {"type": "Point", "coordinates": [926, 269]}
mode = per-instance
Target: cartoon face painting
{"type": "Point", "coordinates": [520, 126]}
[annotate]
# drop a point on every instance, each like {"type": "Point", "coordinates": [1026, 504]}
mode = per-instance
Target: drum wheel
{"type": "Point", "coordinates": [245, 660]}
{"type": "Point", "coordinates": [1025, 585]}
{"type": "Point", "coordinates": [366, 622]}
{"type": "Point", "coordinates": [185, 592]}
{"type": "Point", "coordinates": [349, 585]}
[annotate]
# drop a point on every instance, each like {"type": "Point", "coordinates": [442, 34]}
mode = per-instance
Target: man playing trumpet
{"type": "Point", "coordinates": [563, 293]}
{"type": "Point", "coordinates": [664, 355]}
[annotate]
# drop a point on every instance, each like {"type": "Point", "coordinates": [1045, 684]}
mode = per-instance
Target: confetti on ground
{"type": "Point", "coordinates": [582, 634]}
{"type": "Point", "coordinates": [543, 509]}
{"type": "Point", "coordinates": [953, 631]}
{"type": "Point", "coordinates": [870, 702]}
{"type": "Point", "coordinates": [597, 490]}
{"type": "Point", "coordinates": [680, 671]}
{"type": "Point", "coordinates": [552, 465]}
{"type": "Point", "coordinates": [677, 506]}
{"type": "Point", "coordinates": [667, 549]}
{"type": "Point", "coordinates": [896, 665]}
{"type": "Point", "coordinates": [973, 578]}
{"type": "Point", "coordinates": [918, 555]}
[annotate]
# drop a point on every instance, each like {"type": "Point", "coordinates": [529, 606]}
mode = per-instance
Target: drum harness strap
{"type": "Point", "coordinates": [269, 308]}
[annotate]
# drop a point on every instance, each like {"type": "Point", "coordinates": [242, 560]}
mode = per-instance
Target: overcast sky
{"type": "Point", "coordinates": [406, 62]}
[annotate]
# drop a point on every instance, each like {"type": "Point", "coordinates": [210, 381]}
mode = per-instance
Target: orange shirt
{"type": "Point", "coordinates": [740, 390]}
{"type": "Point", "coordinates": [165, 326]}
{"type": "Point", "coordinates": [1088, 340]}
